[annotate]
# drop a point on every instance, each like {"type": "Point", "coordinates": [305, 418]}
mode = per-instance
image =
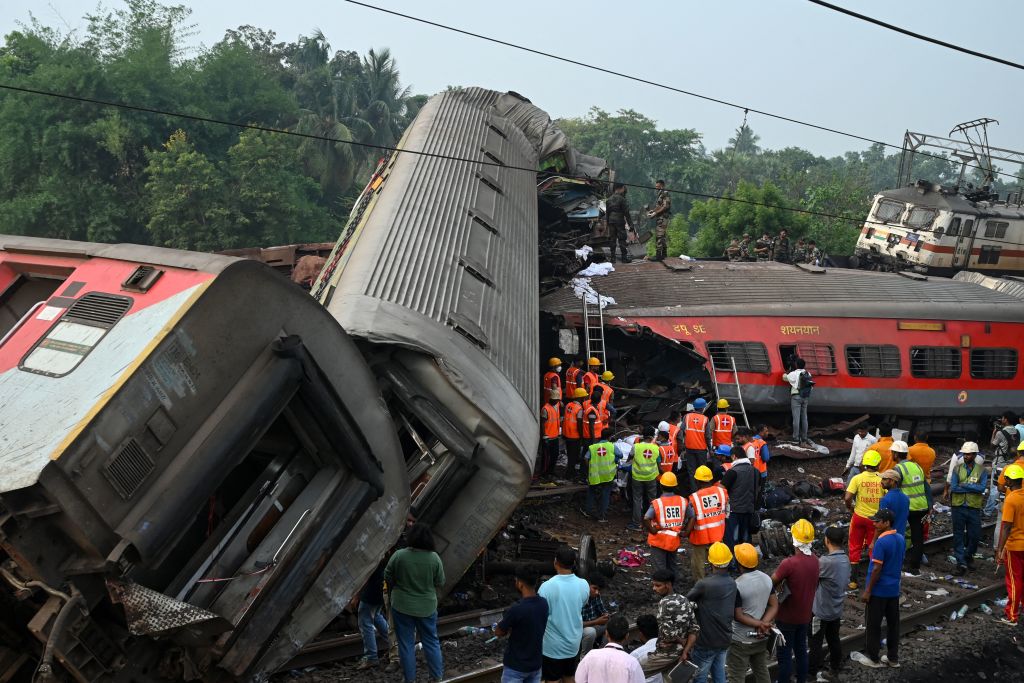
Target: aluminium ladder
{"type": "Point", "coordinates": [593, 330]}
{"type": "Point", "coordinates": [732, 390]}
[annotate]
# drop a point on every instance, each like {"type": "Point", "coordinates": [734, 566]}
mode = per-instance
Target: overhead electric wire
{"type": "Point", "coordinates": [912, 34]}
{"type": "Point", "coordinates": [432, 155]}
{"type": "Point", "coordinates": [657, 84]}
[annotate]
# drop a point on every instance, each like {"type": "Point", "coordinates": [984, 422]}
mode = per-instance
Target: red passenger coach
{"type": "Point", "coordinates": [884, 343]}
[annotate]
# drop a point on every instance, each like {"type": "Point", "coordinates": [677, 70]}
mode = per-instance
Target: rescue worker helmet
{"type": "Point", "coordinates": [607, 376]}
{"type": "Point", "coordinates": [722, 404]}
{"type": "Point", "coordinates": [872, 458]}
{"type": "Point", "coordinates": [700, 404]}
{"type": "Point", "coordinates": [703, 473]}
{"type": "Point", "coordinates": [746, 555]}
{"type": "Point", "coordinates": [725, 450]}
{"type": "Point", "coordinates": [969, 447]}
{"type": "Point", "coordinates": [664, 426]}
{"type": "Point", "coordinates": [1020, 446]}
{"type": "Point", "coordinates": [803, 531]}
{"type": "Point", "coordinates": [555, 395]}
{"type": "Point", "coordinates": [899, 447]}
{"type": "Point", "coordinates": [554, 362]}
{"type": "Point", "coordinates": [669, 480]}
{"type": "Point", "coordinates": [579, 393]}
{"type": "Point", "coordinates": [1014, 471]}
{"type": "Point", "coordinates": [593, 362]}
{"type": "Point", "coordinates": [719, 554]}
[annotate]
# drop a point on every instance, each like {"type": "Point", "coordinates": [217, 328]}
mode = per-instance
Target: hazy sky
{"type": "Point", "coordinates": [784, 56]}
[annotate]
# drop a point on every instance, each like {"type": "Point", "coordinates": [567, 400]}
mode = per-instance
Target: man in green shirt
{"type": "Point", "coordinates": [601, 475]}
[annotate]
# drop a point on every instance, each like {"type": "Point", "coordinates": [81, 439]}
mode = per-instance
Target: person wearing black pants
{"type": "Point", "coordinates": [882, 594]}
{"type": "Point", "coordinates": [829, 596]}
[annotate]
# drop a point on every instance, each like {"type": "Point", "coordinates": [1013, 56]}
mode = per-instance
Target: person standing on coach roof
{"type": "Point", "coordinates": [617, 215]}
{"type": "Point", "coordinates": [414, 574]}
{"type": "Point", "coordinates": [799, 397]}
{"type": "Point", "coordinates": [524, 624]}
{"type": "Point", "coordinates": [662, 212]}
{"type": "Point", "coordinates": [781, 251]}
{"type": "Point", "coordinates": [566, 594]}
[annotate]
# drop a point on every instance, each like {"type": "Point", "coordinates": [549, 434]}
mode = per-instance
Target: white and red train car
{"type": "Point", "coordinates": [883, 343]}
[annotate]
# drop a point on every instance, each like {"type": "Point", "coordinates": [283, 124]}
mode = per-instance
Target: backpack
{"type": "Point", "coordinates": [1012, 437]}
{"type": "Point", "coordinates": [805, 384]}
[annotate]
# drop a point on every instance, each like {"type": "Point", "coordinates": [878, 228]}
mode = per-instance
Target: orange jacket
{"type": "Point", "coordinates": [669, 515]}
{"type": "Point", "coordinates": [722, 425]}
{"type": "Point", "coordinates": [592, 413]}
{"type": "Point", "coordinates": [571, 428]}
{"type": "Point", "coordinates": [709, 515]}
{"type": "Point", "coordinates": [572, 376]}
{"type": "Point", "coordinates": [551, 425]}
{"type": "Point", "coordinates": [759, 464]}
{"type": "Point", "coordinates": [669, 457]}
{"type": "Point", "coordinates": [696, 436]}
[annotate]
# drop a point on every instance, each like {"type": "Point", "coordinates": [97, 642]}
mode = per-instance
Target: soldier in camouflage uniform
{"type": "Point", "coordinates": [677, 626]}
{"type": "Point", "coordinates": [763, 248]}
{"type": "Point", "coordinates": [617, 215]}
{"type": "Point", "coordinates": [781, 251]}
{"type": "Point", "coordinates": [814, 255]}
{"type": "Point", "coordinates": [746, 248]}
{"type": "Point", "coordinates": [733, 252]}
{"type": "Point", "coordinates": [662, 212]}
{"type": "Point", "coordinates": [800, 251]}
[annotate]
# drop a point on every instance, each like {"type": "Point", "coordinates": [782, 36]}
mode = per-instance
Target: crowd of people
{"type": "Point", "coordinates": [777, 248]}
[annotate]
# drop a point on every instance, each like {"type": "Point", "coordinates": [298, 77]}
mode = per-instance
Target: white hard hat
{"type": "Point", "coordinates": [663, 426]}
{"type": "Point", "coordinates": [969, 447]}
{"type": "Point", "coordinates": [899, 446]}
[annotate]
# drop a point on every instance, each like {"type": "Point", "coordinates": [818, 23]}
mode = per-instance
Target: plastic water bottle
{"type": "Point", "coordinates": [985, 608]}
{"type": "Point", "coordinates": [962, 612]}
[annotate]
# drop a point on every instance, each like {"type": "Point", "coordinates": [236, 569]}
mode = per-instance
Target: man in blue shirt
{"type": "Point", "coordinates": [895, 500]}
{"type": "Point", "coordinates": [882, 594]}
{"type": "Point", "coordinates": [968, 486]}
{"type": "Point", "coordinates": [524, 624]}
{"type": "Point", "coordinates": [566, 594]}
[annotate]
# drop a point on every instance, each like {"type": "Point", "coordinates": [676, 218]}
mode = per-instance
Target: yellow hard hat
{"type": "Point", "coordinates": [579, 393]}
{"type": "Point", "coordinates": [593, 361]}
{"type": "Point", "coordinates": [554, 362]}
{"type": "Point", "coordinates": [872, 458]}
{"type": "Point", "coordinates": [746, 555]}
{"type": "Point", "coordinates": [803, 531]}
{"type": "Point", "coordinates": [719, 554]}
{"type": "Point", "coordinates": [1014, 471]}
{"type": "Point", "coordinates": [722, 404]}
{"type": "Point", "coordinates": [669, 479]}
{"type": "Point", "coordinates": [1020, 446]}
{"type": "Point", "coordinates": [703, 473]}
{"type": "Point", "coordinates": [607, 375]}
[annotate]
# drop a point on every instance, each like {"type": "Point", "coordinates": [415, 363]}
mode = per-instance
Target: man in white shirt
{"type": "Point", "coordinates": [647, 624]}
{"type": "Point", "coordinates": [611, 663]}
{"type": "Point", "coordinates": [798, 403]}
{"type": "Point", "coordinates": [862, 440]}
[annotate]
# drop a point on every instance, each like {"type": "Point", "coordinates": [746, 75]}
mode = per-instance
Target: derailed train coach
{"type": "Point", "coordinates": [199, 466]}
{"type": "Point", "coordinates": [437, 276]}
{"type": "Point", "coordinates": [194, 463]}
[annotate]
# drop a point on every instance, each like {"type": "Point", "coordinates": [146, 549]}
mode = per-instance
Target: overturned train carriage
{"type": "Point", "coordinates": [196, 467]}
{"type": "Point", "coordinates": [437, 276]}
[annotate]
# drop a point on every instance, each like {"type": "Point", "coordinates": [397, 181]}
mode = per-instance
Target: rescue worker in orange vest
{"type": "Point", "coordinates": [721, 462]}
{"type": "Point", "coordinates": [602, 394]}
{"type": "Point", "coordinates": [709, 506]}
{"type": "Point", "coordinates": [553, 377]}
{"type": "Point", "coordinates": [667, 445]}
{"type": "Point", "coordinates": [675, 431]}
{"type": "Point", "coordinates": [668, 519]}
{"type": "Point", "coordinates": [551, 430]}
{"type": "Point", "coordinates": [761, 457]}
{"type": "Point", "coordinates": [643, 475]}
{"type": "Point", "coordinates": [722, 425]}
{"type": "Point", "coordinates": [572, 377]}
{"type": "Point", "coordinates": [590, 377]}
{"type": "Point", "coordinates": [696, 439]}
{"type": "Point", "coordinates": [572, 433]}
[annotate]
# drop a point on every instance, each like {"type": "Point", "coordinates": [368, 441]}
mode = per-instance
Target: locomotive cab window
{"type": "Point", "coordinates": [935, 362]}
{"type": "Point", "coordinates": [996, 229]}
{"type": "Point", "coordinates": [968, 227]}
{"type": "Point", "coordinates": [954, 227]}
{"type": "Point", "coordinates": [994, 363]}
{"type": "Point", "coordinates": [749, 356]}
{"type": "Point", "coordinates": [873, 361]}
{"type": "Point", "coordinates": [920, 218]}
{"type": "Point", "coordinates": [889, 211]}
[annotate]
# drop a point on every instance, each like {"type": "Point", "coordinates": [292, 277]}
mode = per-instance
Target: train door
{"type": "Point", "coordinates": [962, 251]}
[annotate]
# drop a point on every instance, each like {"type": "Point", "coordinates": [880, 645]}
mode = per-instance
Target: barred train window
{"type": "Point", "coordinates": [989, 254]}
{"type": "Point", "coordinates": [749, 356]}
{"type": "Point", "coordinates": [820, 358]}
{"type": "Point", "coordinates": [889, 211]}
{"type": "Point", "coordinates": [935, 362]}
{"type": "Point", "coordinates": [994, 363]}
{"type": "Point", "coordinates": [921, 218]}
{"type": "Point", "coordinates": [873, 361]}
{"type": "Point", "coordinates": [996, 229]}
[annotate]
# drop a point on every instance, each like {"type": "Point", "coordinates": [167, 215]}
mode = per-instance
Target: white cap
{"type": "Point", "coordinates": [969, 447]}
{"type": "Point", "coordinates": [899, 446]}
{"type": "Point", "coordinates": [663, 426]}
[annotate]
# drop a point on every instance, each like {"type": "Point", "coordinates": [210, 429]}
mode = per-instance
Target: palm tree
{"type": "Point", "coordinates": [381, 99]}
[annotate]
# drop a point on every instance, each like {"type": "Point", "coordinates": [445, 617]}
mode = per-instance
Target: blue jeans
{"type": "Point", "coordinates": [602, 492]}
{"type": "Point", "coordinates": [708, 662]}
{"type": "Point", "coordinates": [966, 534]}
{"type": "Point", "coordinates": [796, 646]}
{"type": "Point", "coordinates": [406, 629]}
{"type": "Point", "coordinates": [372, 623]}
{"type": "Point", "coordinates": [798, 406]}
{"type": "Point", "coordinates": [512, 676]}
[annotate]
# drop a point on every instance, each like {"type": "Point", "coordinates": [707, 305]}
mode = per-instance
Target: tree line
{"type": "Point", "coordinates": [75, 170]}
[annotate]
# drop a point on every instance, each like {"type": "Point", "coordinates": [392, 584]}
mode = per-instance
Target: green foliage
{"type": "Point", "coordinates": [721, 220]}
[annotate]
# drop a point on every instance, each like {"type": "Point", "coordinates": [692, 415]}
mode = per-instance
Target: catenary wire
{"type": "Point", "coordinates": [912, 34]}
{"type": "Point", "coordinates": [434, 155]}
{"type": "Point", "coordinates": [657, 84]}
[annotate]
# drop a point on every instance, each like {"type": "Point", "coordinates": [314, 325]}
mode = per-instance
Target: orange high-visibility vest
{"type": "Point", "coordinates": [759, 464]}
{"type": "Point", "coordinates": [695, 438]}
{"type": "Point", "coordinates": [669, 513]}
{"type": "Point", "coordinates": [606, 396]}
{"type": "Point", "coordinates": [552, 382]}
{"type": "Point", "coordinates": [673, 434]}
{"type": "Point", "coordinates": [572, 375]}
{"type": "Point", "coordinates": [709, 515]}
{"type": "Point", "coordinates": [552, 421]}
{"type": "Point", "coordinates": [589, 410]}
{"type": "Point", "coordinates": [589, 380]}
{"type": "Point", "coordinates": [669, 457]}
{"type": "Point", "coordinates": [727, 466]}
{"type": "Point", "coordinates": [721, 429]}
{"type": "Point", "coordinates": [571, 420]}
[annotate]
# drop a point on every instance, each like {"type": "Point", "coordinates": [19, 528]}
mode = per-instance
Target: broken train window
{"type": "Point", "coordinates": [749, 356]}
